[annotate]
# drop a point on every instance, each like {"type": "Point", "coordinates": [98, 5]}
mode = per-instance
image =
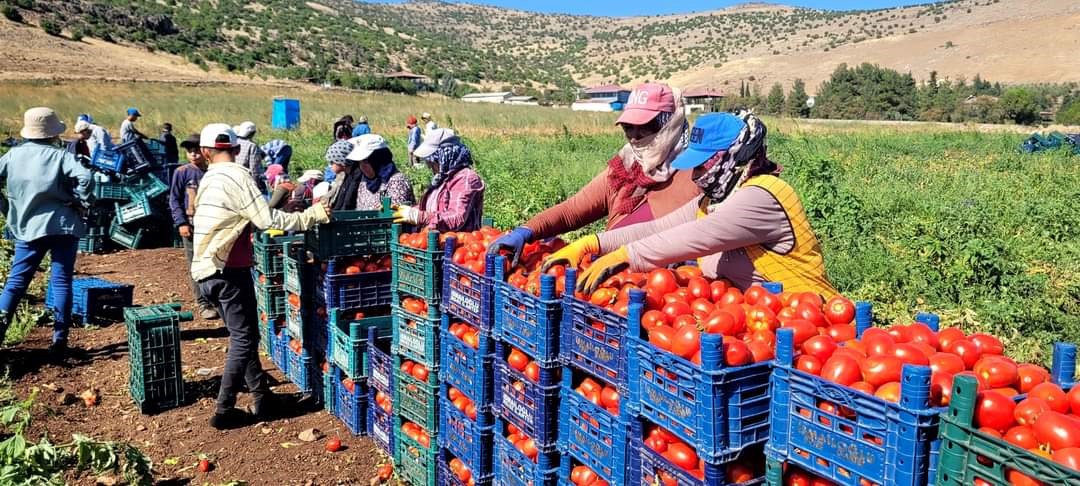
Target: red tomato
{"type": "Point", "coordinates": [701, 307]}
{"type": "Point", "coordinates": [532, 372]}
{"type": "Point", "coordinates": [681, 455]}
{"type": "Point", "coordinates": [821, 347]}
{"type": "Point", "coordinates": [987, 344]}
{"type": "Point", "coordinates": [841, 332]}
{"type": "Point", "coordinates": [809, 364]}
{"type": "Point", "coordinates": [997, 371]}
{"type": "Point", "coordinates": [994, 410]}
{"type": "Point", "coordinates": [863, 387]}
{"type": "Point", "coordinates": [966, 350]}
{"type": "Point", "coordinates": [420, 372]}
{"type": "Point", "coordinates": [721, 322]}
{"type": "Point", "coordinates": [687, 341]}
{"type": "Point", "coordinates": [717, 289]}
{"type": "Point", "coordinates": [803, 330]}
{"type": "Point", "coordinates": [731, 296]}
{"type": "Point", "coordinates": [946, 362]}
{"type": "Point", "coordinates": [841, 369]}
{"type": "Point", "coordinates": [1017, 478]}
{"type": "Point", "coordinates": [770, 300]}
{"type": "Point", "coordinates": [878, 342]}
{"type": "Point", "coordinates": [1073, 398]}
{"type": "Point", "coordinates": [661, 281]}
{"type": "Point", "coordinates": [941, 383]}
{"type": "Point", "coordinates": [1031, 375]}
{"type": "Point", "coordinates": [517, 360]}
{"type": "Point", "coordinates": [738, 473]}
{"type": "Point", "coordinates": [760, 318]}
{"type": "Point", "coordinates": [662, 337]}
{"type": "Point", "coordinates": [879, 370]}
{"type": "Point", "coordinates": [1055, 398]}
{"type": "Point", "coordinates": [948, 335]}
{"type": "Point", "coordinates": [910, 354]}
{"type": "Point", "coordinates": [1068, 457]}
{"type": "Point", "coordinates": [652, 319]}
{"type": "Point", "coordinates": [1029, 410]}
{"type": "Point", "coordinates": [839, 310]}
{"type": "Point", "coordinates": [921, 333]}
{"type": "Point", "coordinates": [699, 288]}
{"type": "Point", "coordinates": [1058, 430]}
{"type": "Point", "coordinates": [676, 309]}
{"type": "Point", "coordinates": [899, 333]}
{"type": "Point", "coordinates": [809, 298]}
{"type": "Point", "coordinates": [890, 392]}
{"type": "Point", "coordinates": [609, 397]}
{"type": "Point", "coordinates": [736, 352]}
{"type": "Point", "coordinates": [761, 351]}
{"type": "Point", "coordinates": [1021, 436]}
{"type": "Point", "coordinates": [754, 293]}
{"type": "Point", "coordinates": [811, 313]}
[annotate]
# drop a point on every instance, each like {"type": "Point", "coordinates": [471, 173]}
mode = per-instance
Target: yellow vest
{"type": "Point", "coordinates": [802, 269]}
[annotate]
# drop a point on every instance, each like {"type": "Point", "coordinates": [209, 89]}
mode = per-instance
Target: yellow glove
{"type": "Point", "coordinates": [602, 269]}
{"type": "Point", "coordinates": [572, 254]}
{"type": "Point", "coordinates": [273, 233]}
{"type": "Point", "coordinates": [406, 214]}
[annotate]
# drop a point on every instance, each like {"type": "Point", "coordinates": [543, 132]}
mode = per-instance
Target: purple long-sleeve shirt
{"type": "Point", "coordinates": [750, 216]}
{"type": "Point", "coordinates": [457, 205]}
{"type": "Point", "coordinates": [182, 190]}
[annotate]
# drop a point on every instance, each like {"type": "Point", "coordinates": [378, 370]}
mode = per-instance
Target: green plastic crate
{"type": "Point", "coordinates": [110, 191]}
{"type": "Point", "coordinates": [415, 400]}
{"type": "Point", "coordinates": [125, 237]}
{"type": "Point", "coordinates": [137, 209]}
{"type": "Point", "coordinates": [270, 298]}
{"type": "Point", "coordinates": [352, 233]}
{"type": "Point", "coordinates": [156, 380]}
{"type": "Point", "coordinates": [417, 272]}
{"type": "Point", "coordinates": [416, 337]}
{"type": "Point", "coordinates": [95, 240]}
{"type": "Point", "coordinates": [270, 252]}
{"type": "Point", "coordinates": [147, 186]}
{"type": "Point", "coordinates": [967, 454]}
{"type": "Point", "coordinates": [350, 339]}
{"type": "Point", "coordinates": [415, 465]}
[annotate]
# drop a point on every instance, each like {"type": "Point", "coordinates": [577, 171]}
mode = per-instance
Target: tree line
{"type": "Point", "coordinates": [871, 92]}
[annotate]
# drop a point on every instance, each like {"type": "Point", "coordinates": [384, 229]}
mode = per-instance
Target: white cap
{"type": "Point", "coordinates": [245, 130]}
{"type": "Point", "coordinates": [210, 133]}
{"type": "Point", "coordinates": [425, 116]}
{"type": "Point", "coordinates": [319, 191]}
{"type": "Point", "coordinates": [81, 125]}
{"type": "Point", "coordinates": [432, 140]}
{"type": "Point", "coordinates": [310, 175]}
{"type": "Point", "coordinates": [364, 145]}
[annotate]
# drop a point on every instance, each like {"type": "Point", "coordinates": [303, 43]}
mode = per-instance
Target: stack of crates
{"type": "Point", "coordinates": [131, 208]}
{"type": "Point", "coordinates": [417, 285]}
{"type": "Point", "coordinates": [467, 351]}
{"type": "Point", "coordinates": [269, 275]}
{"type": "Point", "coordinates": [156, 381]}
{"type": "Point", "coordinates": [528, 376]}
{"type": "Point", "coordinates": [864, 440]}
{"type": "Point", "coordinates": [95, 300]}
{"type": "Point", "coordinates": [722, 413]}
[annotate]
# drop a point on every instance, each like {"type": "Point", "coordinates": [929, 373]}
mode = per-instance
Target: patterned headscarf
{"type": "Point", "coordinates": [338, 153]}
{"type": "Point", "coordinates": [744, 159]}
{"type": "Point", "coordinates": [451, 156]}
{"type": "Point", "coordinates": [646, 163]}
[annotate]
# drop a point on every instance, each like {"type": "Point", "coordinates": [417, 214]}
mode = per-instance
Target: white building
{"type": "Point", "coordinates": [499, 97]}
{"type": "Point", "coordinates": [523, 100]}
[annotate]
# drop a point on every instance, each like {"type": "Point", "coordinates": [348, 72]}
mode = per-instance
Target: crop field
{"type": "Point", "coordinates": [955, 221]}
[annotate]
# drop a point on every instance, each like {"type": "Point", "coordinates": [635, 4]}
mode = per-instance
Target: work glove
{"type": "Point", "coordinates": [602, 269]}
{"type": "Point", "coordinates": [572, 254]}
{"type": "Point", "coordinates": [407, 214]}
{"type": "Point", "coordinates": [514, 241]}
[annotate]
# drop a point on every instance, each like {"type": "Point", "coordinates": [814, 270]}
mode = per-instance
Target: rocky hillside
{"type": "Point", "coordinates": [341, 41]}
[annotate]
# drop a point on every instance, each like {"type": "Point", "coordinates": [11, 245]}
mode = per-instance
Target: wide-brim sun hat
{"type": "Point", "coordinates": [41, 123]}
{"type": "Point", "coordinates": [432, 141]}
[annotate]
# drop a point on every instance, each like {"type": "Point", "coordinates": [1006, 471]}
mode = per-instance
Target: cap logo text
{"type": "Point", "coordinates": [697, 135]}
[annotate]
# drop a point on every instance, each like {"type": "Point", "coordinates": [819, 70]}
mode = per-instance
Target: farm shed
{"type": "Point", "coordinates": [702, 99]}
{"type": "Point", "coordinates": [497, 97]}
{"type": "Point", "coordinates": [523, 100]}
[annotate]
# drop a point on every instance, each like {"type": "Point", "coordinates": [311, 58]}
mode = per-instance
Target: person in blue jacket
{"type": "Point", "coordinates": [362, 127]}
{"type": "Point", "coordinates": [182, 190]}
{"type": "Point", "coordinates": [47, 193]}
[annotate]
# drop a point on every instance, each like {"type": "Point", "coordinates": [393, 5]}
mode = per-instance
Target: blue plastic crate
{"type": "Point", "coordinates": [281, 351]}
{"type": "Point", "coordinates": [355, 291]}
{"type": "Point", "coordinates": [107, 160]}
{"type": "Point", "coordinates": [468, 440]}
{"type": "Point", "coordinates": [534, 408]}
{"type": "Point", "coordinates": [470, 370]}
{"type": "Point", "coordinates": [592, 435]}
{"type": "Point", "coordinates": [349, 339]}
{"type": "Point", "coordinates": [380, 423]}
{"type": "Point", "coordinates": [631, 476]}
{"type": "Point", "coordinates": [416, 337]}
{"type": "Point", "coordinates": [351, 407]}
{"type": "Point", "coordinates": [718, 411]}
{"type": "Point", "coordinates": [301, 369]}
{"type": "Point", "coordinates": [446, 478]}
{"type": "Point", "coordinates": [650, 466]}
{"type": "Point", "coordinates": [96, 300]}
{"type": "Point", "coordinates": [595, 339]}
{"type": "Point", "coordinates": [467, 294]}
{"type": "Point", "coordinates": [528, 322]}
{"type": "Point", "coordinates": [329, 388]}
{"type": "Point", "coordinates": [380, 367]}
{"type": "Point", "coordinates": [513, 468]}
{"type": "Point", "coordinates": [869, 438]}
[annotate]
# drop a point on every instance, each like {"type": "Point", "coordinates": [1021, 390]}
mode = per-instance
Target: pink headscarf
{"type": "Point", "coordinates": [272, 173]}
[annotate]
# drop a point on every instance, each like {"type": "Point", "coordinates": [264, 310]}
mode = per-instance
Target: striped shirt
{"type": "Point", "coordinates": [227, 202]}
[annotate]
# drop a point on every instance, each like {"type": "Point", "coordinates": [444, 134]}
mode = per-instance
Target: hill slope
{"type": "Point", "coordinates": [336, 40]}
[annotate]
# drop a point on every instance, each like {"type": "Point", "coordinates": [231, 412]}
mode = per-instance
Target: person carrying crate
{"type": "Point", "coordinates": [227, 207]}
{"type": "Point", "coordinates": [47, 192]}
{"type": "Point", "coordinates": [182, 189]}
{"type": "Point", "coordinates": [128, 132]}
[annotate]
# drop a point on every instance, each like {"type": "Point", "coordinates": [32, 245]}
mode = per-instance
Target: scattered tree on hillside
{"type": "Point", "coordinates": [796, 100]}
{"type": "Point", "coordinates": [867, 92]}
{"type": "Point", "coordinates": [1020, 106]}
{"type": "Point", "coordinates": [774, 103]}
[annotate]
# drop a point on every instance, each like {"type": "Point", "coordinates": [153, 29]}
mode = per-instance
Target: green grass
{"type": "Point", "coordinates": [956, 222]}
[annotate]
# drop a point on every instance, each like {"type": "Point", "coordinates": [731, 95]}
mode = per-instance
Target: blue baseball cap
{"type": "Point", "coordinates": [133, 112]}
{"type": "Point", "coordinates": [711, 133]}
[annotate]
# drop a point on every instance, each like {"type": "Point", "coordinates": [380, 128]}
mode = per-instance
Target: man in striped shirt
{"type": "Point", "coordinates": [227, 206]}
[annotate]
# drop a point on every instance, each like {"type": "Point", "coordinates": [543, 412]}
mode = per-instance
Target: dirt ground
{"type": "Point", "coordinates": [262, 454]}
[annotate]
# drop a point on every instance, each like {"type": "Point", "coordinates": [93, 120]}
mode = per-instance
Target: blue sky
{"type": "Point", "coordinates": [623, 8]}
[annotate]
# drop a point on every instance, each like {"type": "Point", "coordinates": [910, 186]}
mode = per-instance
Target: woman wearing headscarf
{"type": "Point", "coordinates": [343, 128]}
{"type": "Point", "coordinates": [747, 226]}
{"type": "Point", "coordinates": [455, 199]}
{"type": "Point", "coordinates": [380, 175]}
{"type": "Point", "coordinates": [347, 178]}
{"type": "Point", "coordinates": [638, 183]}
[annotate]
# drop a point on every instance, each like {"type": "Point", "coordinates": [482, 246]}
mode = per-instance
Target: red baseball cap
{"type": "Point", "coordinates": [645, 102]}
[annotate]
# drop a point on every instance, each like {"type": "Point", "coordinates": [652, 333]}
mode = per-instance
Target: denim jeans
{"type": "Point", "coordinates": [28, 255]}
{"type": "Point", "coordinates": [233, 292]}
